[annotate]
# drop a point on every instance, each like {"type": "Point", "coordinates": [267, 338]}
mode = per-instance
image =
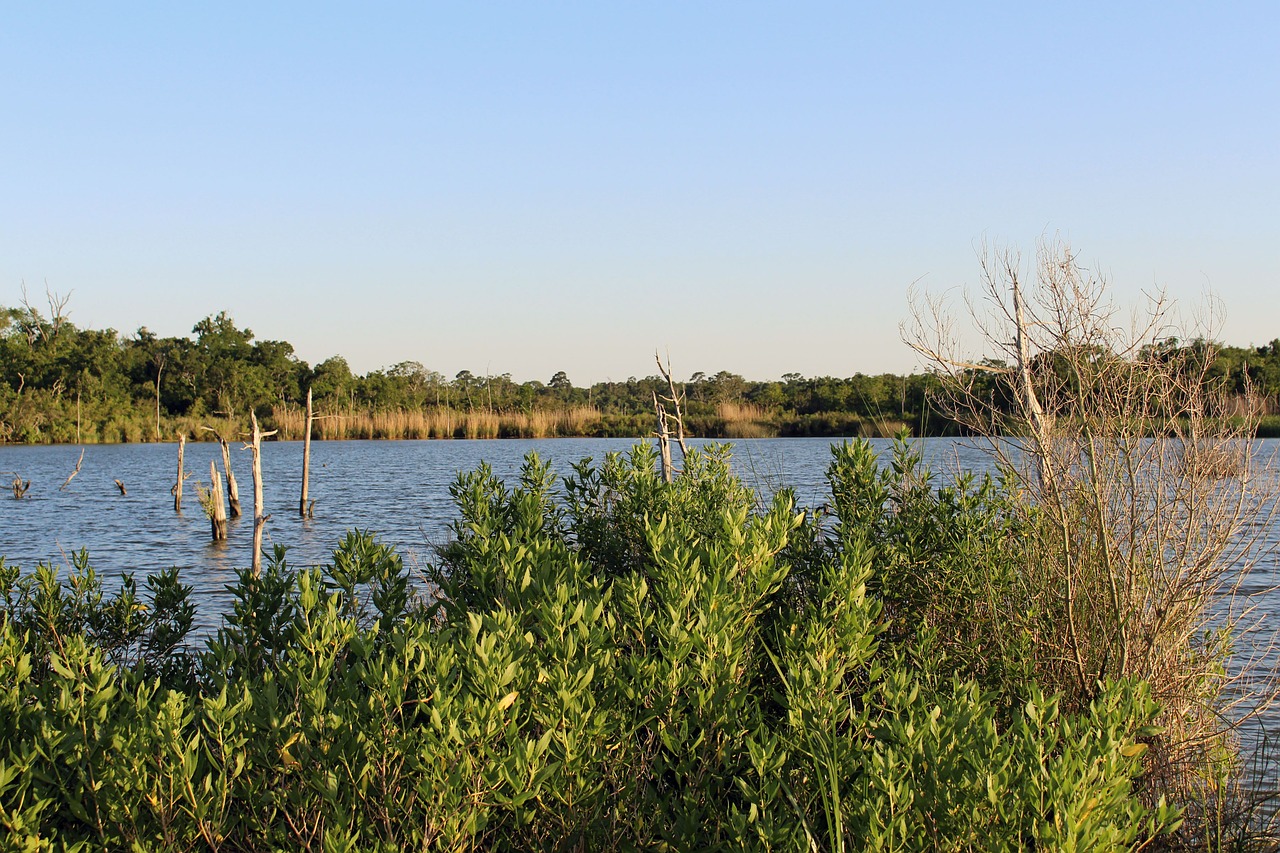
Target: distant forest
{"type": "Point", "coordinates": [63, 384]}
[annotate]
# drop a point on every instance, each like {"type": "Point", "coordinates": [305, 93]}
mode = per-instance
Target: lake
{"type": "Point", "coordinates": [398, 489]}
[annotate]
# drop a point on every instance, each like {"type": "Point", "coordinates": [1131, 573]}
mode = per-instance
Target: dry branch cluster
{"type": "Point", "coordinates": [1138, 480]}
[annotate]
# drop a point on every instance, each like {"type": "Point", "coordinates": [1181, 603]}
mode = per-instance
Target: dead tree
{"type": "Point", "coordinates": [177, 486]}
{"type": "Point", "coordinates": [217, 507]}
{"type": "Point", "coordinates": [159, 360]}
{"type": "Point", "coordinates": [233, 491]}
{"type": "Point", "coordinates": [120, 486]}
{"type": "Point", "coordinates": [33, 324]}
{"type": "Point", "coordinates": [1136, 485]}
{"type": "Point", "coordinates": [307, 509]}
{"type": "Point", "coordinates": [72, 475]}
{"type": "Point", "coordinates": [666, 419]}
{"type": "Point", "coordinates": [664, 438]}
{"type": "Point", "coordinates": [259, 518]}
{"type": "Point", "coordinates": [19, 487]}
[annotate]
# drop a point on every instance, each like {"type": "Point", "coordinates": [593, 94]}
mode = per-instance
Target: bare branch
{"type": "Point", "coordinates": [72, 475]}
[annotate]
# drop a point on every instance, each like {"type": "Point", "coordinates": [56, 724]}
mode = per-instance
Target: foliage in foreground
{"type": "Point", "coordinates": [618, 663]}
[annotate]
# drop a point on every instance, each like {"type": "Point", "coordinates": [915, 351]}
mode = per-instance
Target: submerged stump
{"type": "Point", "coordinates": [305, 509]}
{"type": "Point", "coordinates": [233, 491]}
{"type": "Point", "coordinates": [177, 487]}
{"type": "Point", "coordinates": [217, 506]}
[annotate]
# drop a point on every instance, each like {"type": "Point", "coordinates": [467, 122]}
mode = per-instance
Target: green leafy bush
{"type": "Point", "coordinates": [610, 662]}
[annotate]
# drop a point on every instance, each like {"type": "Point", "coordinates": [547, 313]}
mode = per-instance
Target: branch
{"type": "Point", "coordinates": [72, 475]}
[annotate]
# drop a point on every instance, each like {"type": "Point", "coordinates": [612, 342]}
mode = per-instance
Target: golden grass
{"type": "Point", "coordinates": [881, 428]}
{"type": "Point", "coordinates": [746, 420]}
{"type": "Point", "coordinates": [405, 424]}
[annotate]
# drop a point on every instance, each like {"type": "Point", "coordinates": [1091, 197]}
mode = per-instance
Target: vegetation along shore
{"type": "Point", "coordinates": [63, 384]}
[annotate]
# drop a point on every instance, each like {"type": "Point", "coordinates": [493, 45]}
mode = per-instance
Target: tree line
{"type": "Point", "coordinates": [63, 383]}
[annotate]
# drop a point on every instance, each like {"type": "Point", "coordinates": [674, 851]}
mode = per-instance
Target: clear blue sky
{"type": "Point", "coordinates": [531, 187]}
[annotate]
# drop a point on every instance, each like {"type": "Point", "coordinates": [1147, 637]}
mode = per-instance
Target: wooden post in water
{"type": "Point", "coordinates": [218, 515]}
{"type": "Point", "coordinates": [304, 509]}
{"type": "Point", "coordinates": [233, 491]}
{"type": "Point", "coordinates": [177, 487]}
{"type": "Point", "coordinates": [259, 518]}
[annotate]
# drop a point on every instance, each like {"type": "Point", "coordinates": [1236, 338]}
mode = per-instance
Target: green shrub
{"type": "Point", "coordinates": [614, 662]}
{"type": "Point", "coordinates": [1268, 426]}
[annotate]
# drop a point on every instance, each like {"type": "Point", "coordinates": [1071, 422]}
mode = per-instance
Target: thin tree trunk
{"type": "Point", "coordinates": [218, 517]}
{"type": "Point", "coordinates": [304, 509]}
{"type": "Point", "coordinates": [664, 419]}
{"type": "Point", "coordinates": [1035, 414]}
{"type": "Point", "coordinates": [159, 370]}
{"type": "Point", "coordinates": [679, 416]}
{"type": "Point", "coordinates": [259, 520]}
{"type": "Point", "coordinates": [233, 491]}
{"type": "Point", "coordinates": [259, 517]}
{"type": "Point", "coordinates": [177, 487]}
{"type": "Point", "coordinates": [664, 439]}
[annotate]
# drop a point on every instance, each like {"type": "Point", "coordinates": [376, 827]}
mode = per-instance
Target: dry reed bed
{"type": "Point", "coordinates": [437, 423]}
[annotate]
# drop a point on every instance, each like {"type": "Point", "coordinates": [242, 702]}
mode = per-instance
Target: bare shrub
{"type": "Point", "coordinates": [1139, 480]}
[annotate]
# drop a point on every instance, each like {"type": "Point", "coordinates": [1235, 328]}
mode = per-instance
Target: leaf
{"type": "Point", "coordinates": [505, 702]}
{"type": "Point", "coordinates": [1133, 750]}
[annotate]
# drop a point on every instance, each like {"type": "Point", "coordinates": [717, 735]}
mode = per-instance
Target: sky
{"type": "Point", "coordinates": [526, 188]}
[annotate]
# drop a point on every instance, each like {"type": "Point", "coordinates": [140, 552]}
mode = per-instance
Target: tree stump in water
{"type": "Point", "coordinates": [177, 487]}
{"type": "Point", "coordinates": [120, 486]}
{"type": "Point", "coordinates": [306, 461]}
{"type": "Point", "coordinates": [233, 491]}
{"type": "Point", "coordinates": [217, 505]}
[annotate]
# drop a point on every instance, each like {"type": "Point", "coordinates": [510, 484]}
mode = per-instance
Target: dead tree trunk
{"type": "Point", "coordinates": [233, 491]}
{"type": "Point", "coordinates": [259, 517]}
{"type": "Point", "coordinates": [1035, 414]}
{"type": "Point", "coordinates": [305, 509]}
{"type": "Point", "coordinates": [72, 475]}
{"type": "Point", "coordinates": [664, 439]}
{"type": "Point", "coordinates": [664, 421]}
{"type": "Point", "coordinates": [177, 487]}
{"type": "Point", "coordinates": [19, 487]}
{"type": "Point", "coordinates": [159, 370]}
{"type": "Point", "coordinates": [675, 400]}
{"type": "Point", "coordinates": [218, 506]}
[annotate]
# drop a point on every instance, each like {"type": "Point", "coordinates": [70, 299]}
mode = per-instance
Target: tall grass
{"type": "Point", "coordinates": [745, 420]}
{"type": "Point", "coordinates": [402, 424]}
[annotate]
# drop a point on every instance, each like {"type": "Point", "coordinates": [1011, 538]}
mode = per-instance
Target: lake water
{"type": "Point", "coordinates": [398, 489]}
